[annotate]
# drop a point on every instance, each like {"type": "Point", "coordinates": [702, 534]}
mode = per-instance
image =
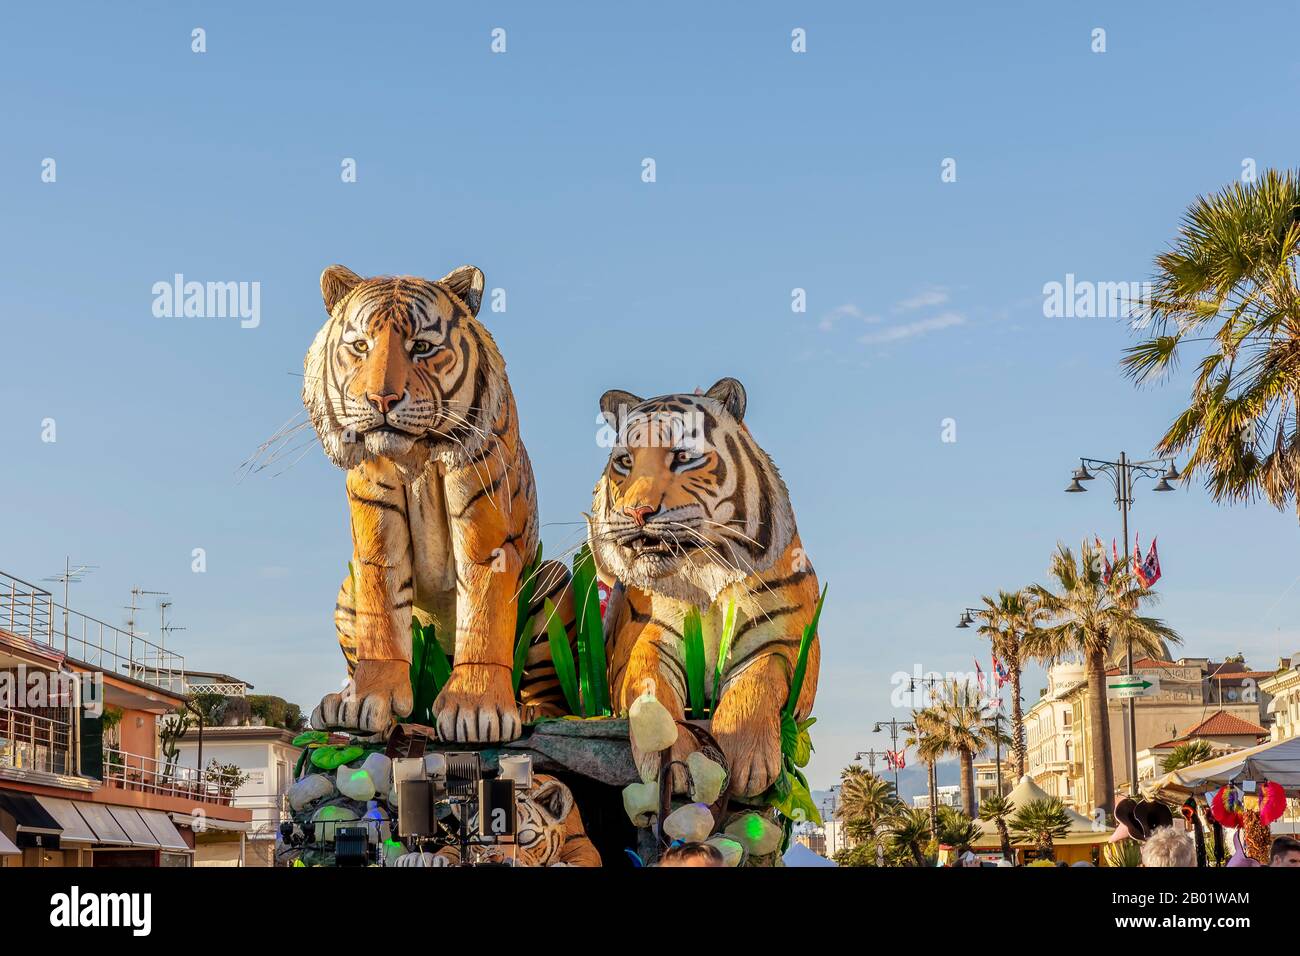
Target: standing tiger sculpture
{"type": "Point", "coordinates": [690, 511]}
{"type": "Point", "coordinates": [408, 393]}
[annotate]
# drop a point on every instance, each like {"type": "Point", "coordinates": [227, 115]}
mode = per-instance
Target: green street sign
{"type": "Point", "coordinates": [1131, 685]}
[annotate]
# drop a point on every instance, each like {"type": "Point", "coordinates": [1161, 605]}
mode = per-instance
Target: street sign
{"type": "Point", "coordinates": [1123, 686]}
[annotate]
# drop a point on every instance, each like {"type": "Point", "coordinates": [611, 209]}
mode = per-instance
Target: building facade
{"type": "Point", "coordinates": [1185, 694]}
{"type": "Point", "coordinates": [83, 780]}
{"type": "Point", "coordinates": [267, 757]}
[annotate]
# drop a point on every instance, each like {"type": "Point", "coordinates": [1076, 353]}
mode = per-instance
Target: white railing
{"type": "Point", "coordinates": [128, 771]}
{"type": "Point", "coordinates": [30, 612]}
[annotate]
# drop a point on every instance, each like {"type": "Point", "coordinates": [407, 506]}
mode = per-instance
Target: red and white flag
{"type": "Point", "coordinates": [1147, 569]}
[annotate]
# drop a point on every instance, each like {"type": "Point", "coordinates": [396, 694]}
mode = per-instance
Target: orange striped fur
{"type": "Point", "coordinates": [408, 393]}
{"type": "Point", "coordinates": [690, 511]}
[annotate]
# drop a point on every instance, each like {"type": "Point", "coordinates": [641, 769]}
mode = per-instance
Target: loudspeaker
{"type": "Point", "coordinates": [351, 845]}
{"type": "Point", "coordinates": [496, 809]}
{"type": "Point", "coordinates": [414, 808]}
{"type": "Point", "coordinates": [464, 771]}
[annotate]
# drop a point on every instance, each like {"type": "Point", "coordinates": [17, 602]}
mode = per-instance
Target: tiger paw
{"type": "Point", "coordinates": [648, 764]}
{"type": "Point", "coordinates": [752, 745]}
{"type": "Point", "coordinates": [379, 693]}
{"type": "Point", "coordinates": [477, 705]}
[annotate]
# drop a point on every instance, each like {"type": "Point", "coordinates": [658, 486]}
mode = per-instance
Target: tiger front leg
{"type": "Point", "coordinates": [373, 613]}
{"type": "Point", "coordinates": [747, 725]}
{"type": "Point", "coordinates": [645, 673]}
{"type": "Point", "coordinates": [477, 704]}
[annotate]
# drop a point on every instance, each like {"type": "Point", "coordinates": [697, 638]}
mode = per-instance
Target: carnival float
{"type": "Point", "coordinates": [505, 709]}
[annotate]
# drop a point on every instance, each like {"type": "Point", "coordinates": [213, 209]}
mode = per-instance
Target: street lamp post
{"type": "Point", "coordinates": [871, 757]}
{"type": "Point", "coordinates": [1121, 474]}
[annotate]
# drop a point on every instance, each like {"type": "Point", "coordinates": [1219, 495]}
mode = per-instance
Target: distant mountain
{"type": "Point", "coordinates": [911, 781]}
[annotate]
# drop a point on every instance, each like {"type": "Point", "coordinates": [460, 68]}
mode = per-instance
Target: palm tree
{"type": "Point", "coordinates": [867, 803]}
{"type": "Point", "coordinates": [1041, 821]}
{"type": "Point", "coordinates": [1230, 281]}
{"type": "Point", "coordinates": [910, 832]}
{"type": "Point", "coordinates": [961, 730]}
{"type": "Point", "coordinates": [1092, 618]}
{"type": "Point", "coordinates": [1010, 620]}
{"type": "Point", "coordinates": [928, 741]}
{"type": "Point", "coordinates": [996, 809]}
{"type": "Point", "coordinates": [957, 829]}
{"type": "Point", "coordinates": [1184, 755]}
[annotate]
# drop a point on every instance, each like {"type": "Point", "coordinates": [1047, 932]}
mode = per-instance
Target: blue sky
{"type": "Point", "coordinates": [775, 171]}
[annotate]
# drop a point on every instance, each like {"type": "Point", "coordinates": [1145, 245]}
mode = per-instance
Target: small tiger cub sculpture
{"type": "Point", "coordinates": [690, 511]}
{"type": "Point", "coordinates": [408, 393]}
{"type": "Point", "coordinates": [549, 832]}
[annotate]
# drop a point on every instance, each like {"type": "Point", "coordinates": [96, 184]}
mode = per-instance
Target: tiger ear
{"type": "Point", "coordinates": [731, 394]}
{"type": "Point", "coordinates": [555, 799]}
{"type": "Point", "coordinates": [336, 282]}
{"type": "Point", "coordinates": [467, 283]}
{"type": "Point", "coordinates": [615, 399]}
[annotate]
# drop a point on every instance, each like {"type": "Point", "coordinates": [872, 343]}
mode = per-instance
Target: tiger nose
{"type": "Point", "coordinates": [384, 403]}
{"type": "Point", "coordinates": [639, 513]}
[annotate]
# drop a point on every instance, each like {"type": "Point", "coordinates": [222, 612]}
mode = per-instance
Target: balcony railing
{"type": "Point", "coordinates": [30, 612]}
{"type": "Point", "coordinates": [128, 771]}
{"type": "Point", "coordinates": [33, 742]}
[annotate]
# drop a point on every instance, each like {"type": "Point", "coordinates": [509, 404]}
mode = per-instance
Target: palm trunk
{"type": "Point", "coordinates": [1045, 847]}
{"type": "Point", "coordinates": [1005, 838]}
{"type": "Point", "coordinates": [917, 858]}
{"type": "Point", "coordinates": [933, 774]}
{"type": "Point", "coordinates": [1101, 773]}
{"type": "Point", "coordinates": [968, 783]}
{"type": "Point", "coordinates": [1017, 716]}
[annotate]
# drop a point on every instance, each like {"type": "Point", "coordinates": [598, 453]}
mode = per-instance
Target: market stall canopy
{"type": "Point", "coordinates": [1082, 830]}
{"type": "Point", "coordinates": [7, 847]}
{"type": "Point", "coordinates": [1277, 761]}
{"type": "Point", "coordinates": [800, 855]}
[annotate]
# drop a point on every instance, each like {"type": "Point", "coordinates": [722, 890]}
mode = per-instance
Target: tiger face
{"type": "Point", "coordinates": [402, 369]}
{"type": "Point", "coordinates": [689, 504]}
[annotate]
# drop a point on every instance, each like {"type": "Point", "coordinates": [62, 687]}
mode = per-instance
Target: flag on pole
{"type": "Point", "coordinates": [1108, 569]}
{"type": "Point", "coordinates": [1001, 671]}
{"type": "Point", "coordinates": [1147, 569]}
{"type": "Point", "coordinates": [979, 677]}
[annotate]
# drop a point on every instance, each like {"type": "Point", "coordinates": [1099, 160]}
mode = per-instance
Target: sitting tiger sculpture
{"type": "Point", "coordinates": [690, 511]}
{"type": "Point", "coordinates": [408, 393]}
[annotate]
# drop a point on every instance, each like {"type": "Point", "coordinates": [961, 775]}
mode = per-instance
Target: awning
{"type": "Point", "coordinates": [199, 824]}
{"type": "Point", "coordinates": [7, 847]}
{"type": "Point", "coordinates": [65, 811]}
{"type": "Point", "coordinates": [30, 815]}
{"type": "Point", "coordinates": [135, 827]}
{"type": "Point", "coordinates": [161, 827]}
{"type": "Point", "coordinates": [1277, 761]}
{"type": "Point", "coordinates": [107, 830]}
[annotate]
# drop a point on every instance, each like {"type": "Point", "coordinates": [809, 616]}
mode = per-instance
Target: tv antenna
{"type": "Point", "coordinates": [72, 574]}
{"type": "Point", "coordinates": [134, 608]}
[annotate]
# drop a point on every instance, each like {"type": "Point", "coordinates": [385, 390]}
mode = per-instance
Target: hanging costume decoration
{"type": "Point", "coordinates": [1250, 814]}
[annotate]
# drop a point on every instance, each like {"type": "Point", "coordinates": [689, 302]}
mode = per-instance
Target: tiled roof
{"type": "Point", "coordinates": [1223, 724]}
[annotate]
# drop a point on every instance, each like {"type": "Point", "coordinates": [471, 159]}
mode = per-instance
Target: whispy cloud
{"type": "Point", "coordinates": [846, 311]}
{"type": "Point", "coordinates": [898, 333]}
{"type": "Point", "coordinates": [922, 300]}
